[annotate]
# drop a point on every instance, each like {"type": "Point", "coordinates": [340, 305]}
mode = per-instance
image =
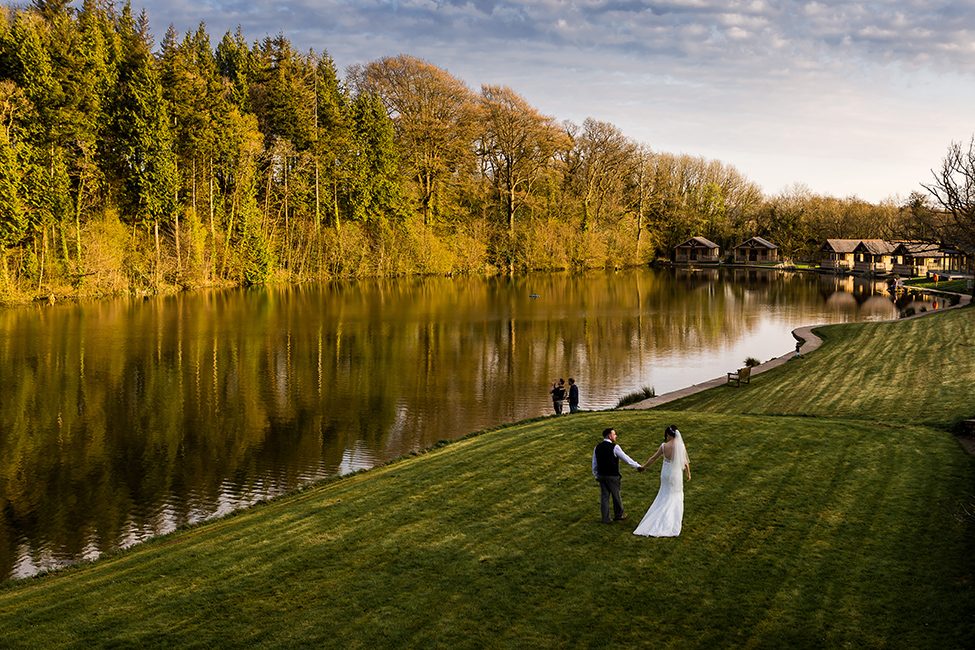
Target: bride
{"type": "Point", "coordinates": [663, 519]}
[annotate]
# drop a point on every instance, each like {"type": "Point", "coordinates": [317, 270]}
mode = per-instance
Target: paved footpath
{"type": "Point", "coordinates": [801, 334]}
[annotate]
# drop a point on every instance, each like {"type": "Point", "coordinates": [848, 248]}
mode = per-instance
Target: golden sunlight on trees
{"type": "Point", "coordinates": [433, 116]}
{"type": "Point", "coordinates": [516, 145]}
{"type": "Point", "coordinates": [125, 170]}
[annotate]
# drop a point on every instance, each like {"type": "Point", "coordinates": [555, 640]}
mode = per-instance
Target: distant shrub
{"type": "Point", "coordinates": [636, 396]}
{"type": "Point", "coordinates": [751, 362]}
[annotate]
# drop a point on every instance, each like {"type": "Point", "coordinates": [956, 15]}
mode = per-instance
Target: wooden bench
{"type": "Point", "coordinates": [743, 375]}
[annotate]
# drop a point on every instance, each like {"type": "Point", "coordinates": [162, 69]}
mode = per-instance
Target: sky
{"type": "Point", "coordinates": [844, 98]}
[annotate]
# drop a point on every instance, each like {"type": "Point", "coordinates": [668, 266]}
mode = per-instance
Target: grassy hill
{"type": "Point", "coordinates": [824, 512]}
{"type": "Point", "coordinates": [919, 371]}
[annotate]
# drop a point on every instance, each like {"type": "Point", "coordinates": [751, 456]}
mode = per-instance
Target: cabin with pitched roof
{"type": "Point", "coordinates": [837, 254]}
{"type": "Point", "coordinates": [963, 258]}
{"type": "Point", "coordinates": [756, 251]}
{"type": "Point", "coordinates": [873, 256]}
{"type": "Point", "coordinates": [920, 258]}
{"type": "Point", "coordinates": [697, 250]}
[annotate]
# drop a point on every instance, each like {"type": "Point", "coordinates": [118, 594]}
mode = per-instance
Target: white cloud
{"type": "Point", "coordinates": [848, 97]}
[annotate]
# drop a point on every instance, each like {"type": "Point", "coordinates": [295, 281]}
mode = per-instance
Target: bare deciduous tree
{"type": "Point", "coordinates": [954, 190]}
{"type": "Point", "coordinates": [431, 110]}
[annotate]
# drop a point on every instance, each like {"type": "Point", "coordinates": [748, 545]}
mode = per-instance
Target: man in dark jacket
{"type": "Point", "coordinates": [573, 396]}
{"type": "Point", "coordinates": [558, 395]}
{"type": "Point", "coordinates": [606, 468]}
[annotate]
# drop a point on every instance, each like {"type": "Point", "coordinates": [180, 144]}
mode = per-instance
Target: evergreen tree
{"type": "Point", "coordinates": [52, 9]}
{"type": "Point", "coordinates": [434, 118]}
{"type": "Point", "coordinates": [141, 139]}
{"type": "Point", "coordinates": [374, 193]}
{"type": "Point", "coordinates": [332, 139]}
{"type": "Point", "coordinates": [237, 65]}
{"type": "Point", "coordinates": [13, 216]}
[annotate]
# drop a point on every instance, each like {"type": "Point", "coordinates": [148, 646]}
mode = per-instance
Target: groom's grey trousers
{"type": "Point", "coordinates": [609, 488]}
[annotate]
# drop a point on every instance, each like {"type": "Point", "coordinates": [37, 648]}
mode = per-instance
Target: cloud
{"type": "Point", "coordinates": [714, 34]}
{"type": "Point", "coordinates": [878, 87]}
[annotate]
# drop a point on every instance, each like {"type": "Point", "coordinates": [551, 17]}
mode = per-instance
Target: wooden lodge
{"type": "Point", "coordinates": [837, 254]}
{"type": "Point", "coordinates": [904, 258]}
{"type": "Point", "coordinates": [697, 250]}
{"type": "Point", "coordinates": [873, 256]}
{"type": "Point", "coordinates": [756, 251]}
{"type": "Point", "coordinates": [921, 258]}
{"type": "Point", "coordinates": [965, 257]}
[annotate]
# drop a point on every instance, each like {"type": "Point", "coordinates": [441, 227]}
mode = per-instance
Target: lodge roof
{"type": "Point", "coordinates": [694, 242]}
{"type": "Point", "coordinates": [761, 243]}
{"type": "Point", "coordinates": [840, 245]}
{"type": "Point", "coordinates": [876, 246]}
{"type": "Point", "coordinates": [919, 249]}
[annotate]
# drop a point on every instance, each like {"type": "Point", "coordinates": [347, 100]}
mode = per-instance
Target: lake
{"type": "Point", "coordinates": [121, 419]}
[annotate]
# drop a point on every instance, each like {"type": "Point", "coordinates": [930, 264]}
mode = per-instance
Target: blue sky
{"type": "Point", "coordinates": [844, 97]}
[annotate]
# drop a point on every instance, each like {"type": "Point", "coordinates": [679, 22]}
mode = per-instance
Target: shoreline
{"type": "Point", "coordinates": [811, 342]}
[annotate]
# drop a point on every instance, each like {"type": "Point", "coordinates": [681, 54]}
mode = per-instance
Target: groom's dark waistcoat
{"type": "Point", "coordinates": [607, 464]}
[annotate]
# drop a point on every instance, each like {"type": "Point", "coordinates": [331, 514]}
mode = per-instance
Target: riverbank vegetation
{"type": "Point", "coordinates": [808, 524]}
{"type": "Point", "coordinates": [129, 170]}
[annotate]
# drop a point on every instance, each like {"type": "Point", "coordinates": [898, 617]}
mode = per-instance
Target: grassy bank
{"type": "Point", "coordinates": [918, 371]}
{"type": "Point", "coordinates": [853, 528]}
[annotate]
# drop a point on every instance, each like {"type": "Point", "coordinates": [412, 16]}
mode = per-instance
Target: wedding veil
{"type": "Point", "coordinates": [680, 452]}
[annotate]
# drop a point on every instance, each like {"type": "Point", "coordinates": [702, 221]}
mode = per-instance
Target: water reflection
{"type": "Point", "coordinates": [122, 419]}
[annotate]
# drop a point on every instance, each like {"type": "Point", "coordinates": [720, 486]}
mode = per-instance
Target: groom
{"type": "Point", "coordinates": [606, 468]}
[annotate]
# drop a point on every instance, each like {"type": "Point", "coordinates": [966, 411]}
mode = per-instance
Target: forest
{"type": "Point", "coordinates": [129, 170]}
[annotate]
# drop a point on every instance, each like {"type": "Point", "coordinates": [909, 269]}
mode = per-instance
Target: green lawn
{"type": "Point", "coordinates": [815, 519]}
{"type": "Point", "coordinates": [957, 286]}
{"type": "Point", "coordinates": [916, 371]}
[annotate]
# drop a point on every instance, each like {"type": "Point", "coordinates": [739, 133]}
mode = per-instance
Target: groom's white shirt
{"type": "Point", "coordinates": [618, 452]}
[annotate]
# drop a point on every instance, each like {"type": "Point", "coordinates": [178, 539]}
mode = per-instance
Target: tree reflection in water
{"type": "Point", "coordinates": [122, 419]}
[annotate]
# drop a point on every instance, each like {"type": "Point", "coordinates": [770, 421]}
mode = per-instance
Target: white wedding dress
{"type": "Point", "coordinates": [665, 515]}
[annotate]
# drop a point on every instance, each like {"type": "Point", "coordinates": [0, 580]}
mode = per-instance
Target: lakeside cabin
{"type": "Point", "coordinates": [912, 259]}
{"type": "Point", "coordinates": [837, 254]}
{"type": "Point", "coordinates": [756, 251]}
{"type": "Point", "coordinates": [904, 258]}
{"type": "Point", "coordinates": [873, 256]}
{"type": "Point", "coordinates": [965, 257]}
{"type": "Point", "coordinates": [697, 249]}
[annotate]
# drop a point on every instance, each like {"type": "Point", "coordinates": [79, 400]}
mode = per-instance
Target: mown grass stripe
{"type": "Point", "coordinates": [807, 530]}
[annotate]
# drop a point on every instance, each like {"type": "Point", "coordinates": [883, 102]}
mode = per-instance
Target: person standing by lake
{"type": "Point", "coordinates": [558, 395]}
{"type": "Point", "coordinates": [573, 396]}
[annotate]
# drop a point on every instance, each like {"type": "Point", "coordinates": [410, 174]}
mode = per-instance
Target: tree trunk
{"type": "Point", "coordinates": [40, 274]}
{"type": "Point", "coordinates": [640, 207]}
{"type": "Point", "coordinates": [77, 227]}
{"type": "Point", "coordinates": [213, 231]}
{"type": "Point", "coordinates": [335, 204]}
{"type": "Point", "coordinates": [287, 223]}
{"type": "Point", "coordinates": [230, 229]}
{"type": "Point", "coordinates": [158, 250]}
{"type": "Point", "coordinates": [318, 215]}
{"type": "Point", "coordinates": [179, 255]}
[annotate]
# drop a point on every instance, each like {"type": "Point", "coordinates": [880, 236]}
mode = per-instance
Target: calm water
{"type": "Point", "coordinates": [122, 419]}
